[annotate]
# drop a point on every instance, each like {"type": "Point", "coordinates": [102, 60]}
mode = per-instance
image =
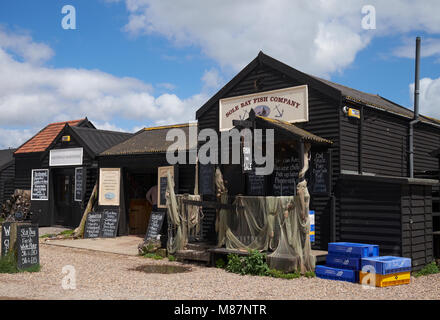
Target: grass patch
{"type": "Point", "coordinates": [220, 263]}
{"type": "Point", "coordinates": [171, 258]}
{"type": "Point", "coordinates": [431, 268]}
{"type": "Point", "coordinates": [153, 256]}
{"type": "Point", "coordinates": [8, 264]}
{"type": "Point", "coordinates": [67, 233]}
{"type": "Point", "coordinates": [279, 274]}
{"type": "Point", "coordinates": [47, 235]}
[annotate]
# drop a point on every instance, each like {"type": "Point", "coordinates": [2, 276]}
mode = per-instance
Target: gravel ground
{"type": "Point", "coordinates": [110, 276]}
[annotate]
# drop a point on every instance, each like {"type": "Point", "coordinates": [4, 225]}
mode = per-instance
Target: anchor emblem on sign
{"type": "Point", "coordinates": [280, 113]}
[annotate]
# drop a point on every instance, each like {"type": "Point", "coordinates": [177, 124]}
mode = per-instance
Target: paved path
{"type": "Point", "coordinates": [126, 245]}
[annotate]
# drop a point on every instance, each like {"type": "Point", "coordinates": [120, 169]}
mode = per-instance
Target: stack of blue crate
{"type": "Point", "coordinates": [344, 260]}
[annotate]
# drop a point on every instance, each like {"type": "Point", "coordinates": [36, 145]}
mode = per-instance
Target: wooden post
{"type": "Point", "coordinates": [79, 232]}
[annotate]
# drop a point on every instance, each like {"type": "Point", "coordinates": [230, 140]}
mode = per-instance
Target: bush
{"type": "Point", "coordinates": [220, 263]}
{"type": "Point", "coordinates": [235, 264]}
{"type": "Point", "coordinates": [255, 264]}
{"type": "Point", "coordinates": [171, 258]}
{"type": "Point", "coordinates": [431, 268]}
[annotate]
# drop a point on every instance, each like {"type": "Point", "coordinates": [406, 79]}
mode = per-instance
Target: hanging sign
{"type": "Point", "coordinates": [40, 184]}
{"type": "Point", "coordinates": [290, 104]}
{"type": "Point", "coordinates": [109, 186]}
{"type": "Point", "coordinates": [206, 179]}
{"type": "Point", "coordinates": [78, 184]}
{"type": "Point", "coordinates": [66, 157]}
{"type": "Point", "coordinates": [162, 174]}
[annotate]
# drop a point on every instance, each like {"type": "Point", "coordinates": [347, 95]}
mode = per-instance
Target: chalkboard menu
{"type": "Point", "coordinates": [40, 184]}
{"type": "Point", "coordinates": [155, 225]}
{"type": "Point", "coordinates": [162, 174]}
{"type": "Point", "coordinates": [6, 237]}
{"type": "Point", "coordinates": [285, 176]}
{"type": "Point", "coordinates": [93, 225]}
{"type": "Point", "coordinates": [206, 179]}
{"type": "Point", "coordinates": [27, 246]}
{"type": "Point", "coordinates": [109, 223]}
{"type": "Point", "coordinates": [256, 184]}
{"type": "Point", "coordinates": [78, 184]}
{"type": "Point", "coordinates": [320, 173]}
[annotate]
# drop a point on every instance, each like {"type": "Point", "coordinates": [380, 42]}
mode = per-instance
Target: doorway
{"type": "Point", "coordinates": [63, 190]}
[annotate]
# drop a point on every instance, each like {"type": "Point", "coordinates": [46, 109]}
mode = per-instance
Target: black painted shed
{"type": "Point", "coordinates": [372, 198]}
{"type": "Point", "coordinates": [7, 172]}
{"type": "Point", "coordinates": [59, 166]}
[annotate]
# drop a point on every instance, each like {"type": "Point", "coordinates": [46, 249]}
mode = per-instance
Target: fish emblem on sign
{"type": "Point", "coordinates": [263, 111]}
{"type": "Point", "coordinates": [109, 195]}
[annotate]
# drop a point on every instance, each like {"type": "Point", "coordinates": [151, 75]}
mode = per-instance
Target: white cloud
{"type": "Point", "coordinates": [429, 47]}
{"type": "Point", "coordinates": [320, 37]}
{"type": "Point", "coordinates": [33, 95]}
{"type": "Point", "coordinates": [429, 96]}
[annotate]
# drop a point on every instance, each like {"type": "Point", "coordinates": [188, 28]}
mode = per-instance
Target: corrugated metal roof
{"type": "Point", "coordinates": [42, 140]}
{"type": "Point", "coordinates": [99, 140]}
{"type": "Point", "coordinates": [150, 140]}
{"type": "Point", "coordinates": [291, 128]}
{"type": "Point", "coordinates": [6, 157]}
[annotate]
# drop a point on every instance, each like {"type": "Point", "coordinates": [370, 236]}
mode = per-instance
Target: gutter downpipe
{"type": "Point", "coordinates": [416, 109]}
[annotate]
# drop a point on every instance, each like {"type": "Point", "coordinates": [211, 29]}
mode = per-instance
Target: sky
{"type": "Point", "coordinates": [129, 64]}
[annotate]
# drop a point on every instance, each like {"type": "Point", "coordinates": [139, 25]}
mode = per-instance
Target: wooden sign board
{"type": "Point", "coordinates": [109, 186]}
{"type": "Point", "coordinates": [93, 225]}
{"type": "Point", "coordinates": [155, 225]}
{"type": "Point", "coordinates": [162, 174]}
{"type": "Point", "coordinates": [79, 184]}
{"type": "Point", "coordinates": [109, 224]}
{"type": "Point", "coordinates": [40, 184]}
{"type": "Point", "coordinates": [6, 238]}
{"type": "Point", "coordinates": [206, 179]}
{"type": "Point", "coordinates": [319, 182]}
{"type": "Point", "coordinates": [285, 176]}
{"type": "Point", "coordinates": [28, 253]}
{"type": "Point", "coordinates": [256, 184]}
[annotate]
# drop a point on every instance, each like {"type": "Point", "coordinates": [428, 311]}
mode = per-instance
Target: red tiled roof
{"type": "Point", "coordinates": [45, 137]}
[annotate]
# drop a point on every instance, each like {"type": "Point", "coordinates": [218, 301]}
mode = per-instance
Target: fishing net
{"type": "Point", "coordinates": [277, 225]}
{"type": "Point", "coordinates": [184, 218]}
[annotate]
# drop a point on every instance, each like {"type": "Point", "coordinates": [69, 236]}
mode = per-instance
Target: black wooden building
{"type": "Point", "coordinates": [372, 198]}
{"type": "Point", "coordinates": [59, 166]}
{"type": "Point", "coordinates": [138, 159]}
{"type": "Point", "coordinates": [7, 172]}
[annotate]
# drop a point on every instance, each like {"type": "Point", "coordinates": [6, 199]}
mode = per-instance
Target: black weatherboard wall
{"type": "Point", "coordinates": [7, 173]}
{"type": "Point", "coordinates": [375, 146]}
{"type": "Point", "coordinates": [69, 211]}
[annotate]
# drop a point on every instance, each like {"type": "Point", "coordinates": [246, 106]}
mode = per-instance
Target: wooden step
{"type": "Point", "coordinates": [193, 255]}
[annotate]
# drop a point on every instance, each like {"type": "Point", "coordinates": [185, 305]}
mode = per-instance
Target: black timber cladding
{"type": "Point", "coordinates": [378, 147]}
{"type": "Point", "coordinates": [7, 173]}
{"type": "Point", "coordinates": [323, 122]}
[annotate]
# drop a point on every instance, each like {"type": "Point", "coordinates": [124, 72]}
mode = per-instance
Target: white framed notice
{"type": "Point", "coordinates": [66, 157]}
{"type": "Point", "coordinates": [109, 186]}
{"type": "Point", "coordinates": [40, 185]}
{"type": "Point", "coordinates": [162, 174]}
{"type": "Point", "coordinates": [289, 104]}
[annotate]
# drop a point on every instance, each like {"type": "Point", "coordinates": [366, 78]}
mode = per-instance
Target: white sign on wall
{"type": "Point", "coordinates": [289, 104]}
{"type": "Point", "coordinates": [109, 186]}
{"type": "Point", "coordinates": [66, 157]}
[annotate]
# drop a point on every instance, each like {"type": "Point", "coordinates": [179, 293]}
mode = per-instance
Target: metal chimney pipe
{"type": "Point", "coordinates": [416, 109]}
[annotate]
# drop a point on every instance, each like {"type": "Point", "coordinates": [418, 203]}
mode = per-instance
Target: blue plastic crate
{"type": "Point", "coordinates": [343, 262]}
{"type": "Point", "coordinates": [331, 273]}
{"type": "Point", "coordinates": [355, 250]}
{"type": "Point", "coordinates": [387, 264]}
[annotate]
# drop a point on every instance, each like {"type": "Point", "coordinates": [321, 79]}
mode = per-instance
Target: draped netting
{"type": "Point", "coordinates": [273, 224]}
{"type": "Point", "coordinates": [184, 218]}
